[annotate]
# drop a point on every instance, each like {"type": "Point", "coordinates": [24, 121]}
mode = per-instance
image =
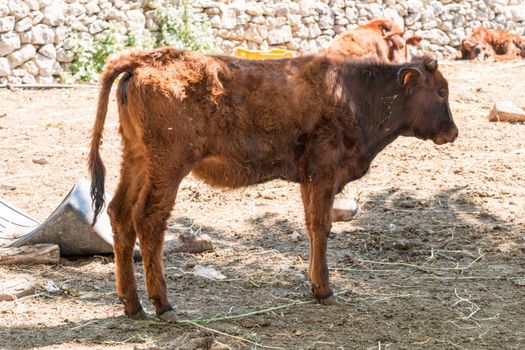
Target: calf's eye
{"type": "Point", "coordinates": [442, 93]}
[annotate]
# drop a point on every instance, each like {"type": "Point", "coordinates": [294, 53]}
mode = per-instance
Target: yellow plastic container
{"type": "Point", "coordinates": [273, 54]}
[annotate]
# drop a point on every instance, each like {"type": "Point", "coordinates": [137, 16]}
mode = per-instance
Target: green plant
{"type": "Point", "coordinates": [90, 58]}
{"type": "Point", "coordinates": [181, 28]}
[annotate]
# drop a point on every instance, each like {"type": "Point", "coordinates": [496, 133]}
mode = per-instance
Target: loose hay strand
{"type": "Point", "coordinates": [234, 336]}
{"type": "Point", "coordinates": [248, 314]}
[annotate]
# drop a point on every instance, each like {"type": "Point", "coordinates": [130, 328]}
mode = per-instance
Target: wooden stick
{"type": "Point", "coordinates": [30, 254]}
{"type": "Point", "coordinates": [17, 288]}
{"type": "Point", "coordinates": [47, 86]}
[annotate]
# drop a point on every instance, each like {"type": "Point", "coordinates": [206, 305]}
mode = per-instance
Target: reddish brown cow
{"type": "Point", "coordinates": [313, 120]}
{"type": "Point", "coordinates": [382, 26]}
{"type": "Point", "coordinates": [492, 44]}
{"type": "Point", "coordinates": [380, 40]}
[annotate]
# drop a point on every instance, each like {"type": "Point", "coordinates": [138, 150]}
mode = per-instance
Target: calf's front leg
{"type": "Point", "coordinates": [318, 200]}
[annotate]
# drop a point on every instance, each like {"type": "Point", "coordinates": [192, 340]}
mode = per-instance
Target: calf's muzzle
{"type": "Point", "coordinates": [447, 136]}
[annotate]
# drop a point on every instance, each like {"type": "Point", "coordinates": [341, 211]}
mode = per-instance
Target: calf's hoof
{"type": "Point", "coordinates": [330, 300]}
{"type": "Point", "coordinates": [140, 315]}
{"type": "Point", "coordinates": [169, 316]}
{"type": "Point", "coordinates": [324, 298]}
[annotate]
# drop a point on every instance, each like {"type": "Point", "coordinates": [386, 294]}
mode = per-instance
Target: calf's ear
{"type": "Point", "coordinates": [414, 41]}
{"type": "Point", "coordinates": [468, 45]}
{"type": "Point", "coordinates": [408, 76]}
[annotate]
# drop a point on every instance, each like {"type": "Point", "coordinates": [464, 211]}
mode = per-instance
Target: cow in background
{"type": "Point", "coordinates": [486, 44]}
{"type": "Point", "coordinates": [381, 40]}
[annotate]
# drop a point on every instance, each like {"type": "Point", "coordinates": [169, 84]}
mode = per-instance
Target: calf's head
{"type": "Point", "coordinates": [399, 47]}
{"type": "Point", "coordinates": [480, 50]}
{"type": "Point", "coordinates": [426, 109]}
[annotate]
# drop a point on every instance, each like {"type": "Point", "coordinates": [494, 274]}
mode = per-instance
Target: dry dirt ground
{"type": "Point", "coordinates": [434, 260]}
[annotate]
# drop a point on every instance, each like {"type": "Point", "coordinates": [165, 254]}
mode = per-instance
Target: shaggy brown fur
{"type": "Point", "coordinates": [314, 120]}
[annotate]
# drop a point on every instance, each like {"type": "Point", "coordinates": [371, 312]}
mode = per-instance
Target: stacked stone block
{"type": "Point", "coordinates": [35, 35]}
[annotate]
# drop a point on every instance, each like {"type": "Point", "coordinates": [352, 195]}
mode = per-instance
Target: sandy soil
{"type": "Point", "coordinates": [434, 260]}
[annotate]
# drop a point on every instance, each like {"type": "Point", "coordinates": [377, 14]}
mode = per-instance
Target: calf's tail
{"type": "Point", "coordinates": [96, 167]}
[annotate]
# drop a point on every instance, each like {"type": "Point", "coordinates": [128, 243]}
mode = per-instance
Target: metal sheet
{"type": "Point", "coordinates": [69, 226]}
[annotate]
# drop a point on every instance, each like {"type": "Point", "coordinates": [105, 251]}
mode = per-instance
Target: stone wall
{"type": "Point", "coordinates": [34, 44]}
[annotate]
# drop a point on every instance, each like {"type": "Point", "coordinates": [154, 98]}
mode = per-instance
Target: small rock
{"type": "Point", "coordinates": [506, 111]}
{"type": "Point", "coordinates": [45, 80]}
{"type": "Point", "coordinates": [23, 25]}
{"type": "Point", "coordinates": [51, 287]}
{"type": "Point", "coordinates": [4, 9]}
{"type": "Point", "coordinates": [291, 277]}
{"type": "Point", "coordinates": [92, 8]}
{"type": "Point", "coordinates": [232, 34]}
{"type": "Point", "coordinates": [8, 187]}
{"type": "Point", "coordinates": [42, 34]}
{"type": "Point", "coordinates": [45, 65]}
{"type": "Point", "coordinates": [30, 67]}
{"type": "Point", "coordinates": [76, 9]}
{"type": "Point", "coordinates": [28, 79]}
{"type": "Point", "coordinates": [520, 283]}
{"type": "Point", "coordinates": [516, 13]}
{"type": "Point", "coordinates": [394, 16]}
{"type": "Point", "coordinates": [187, 244]}
{"type": "Point", "coordinates": [18, 57]}
{"type": "Point", "coordinates": [9, 42]}
{"type": "Point", "coordinates": [208, 272]}
{"type": "Point", "coordinates": [32, 4]}
{"type": "Point", "coordinates": [41, 161]}
{"type": "Point", "coordinates": [18, 8]}
{"type": "Point", "coordinates": [37, 17]}
{"type": "Point", "coordinates": [439, 37]}
{"type": "Point", "coordinates": [313, 30]}
{"type": "Point", "coordinates": [228, 19]}
{"type": "Point", "coordinates": [281, 9]}
{"type": "Point", "coordinates": [295, 236]}
{"type": "Point", "coordinates": [97, 26]}
{"type": "Point", "coordinates": [17, 287]}
{"type": "Point", "coordinates": [345, 209]}
{"type": "Point", "coordinates": [136, 20]}
{"type": "Point", "coordinates": [7, 24]}
{"type": "Point", "coordinates": [18, 73]}
{"type": "Point", "coordinates": [13, 80]}
{"type": "Point", "coordinates": [65, 56]}
{"type": "Point", "coordinates": [54, 14]}
{"type": "Point", "coordinates": [61, 34]}
{"type": "Point", "coordinates": [89, 296]}
{"type": "Point", "coordinates": [191, 341]}
{"type": "Point", "coordinates": [254, 9]}
{"type": "Point", "coordinates": [238, 6]}
{"type": "Point", "coordinates": [5, 70]}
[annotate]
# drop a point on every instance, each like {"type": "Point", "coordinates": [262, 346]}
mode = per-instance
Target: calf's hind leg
{"type": "Point", "coordinates": [150, 217]}
{"type": "Point", "coordinates": [124, 237]}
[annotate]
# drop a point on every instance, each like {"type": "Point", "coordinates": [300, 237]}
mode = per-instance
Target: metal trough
{"type": "Point", "coordinates": [69, 225]}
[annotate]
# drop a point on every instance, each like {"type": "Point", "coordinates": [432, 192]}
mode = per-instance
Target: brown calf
{"type": "Point", "coordinates": [313, 120]}
{"type": "Point", "coordinates": [382, 26]}
{"type": "Point", "coordinates": [486, 44]}
{"type": "Point", "coordinates": [380, 40]}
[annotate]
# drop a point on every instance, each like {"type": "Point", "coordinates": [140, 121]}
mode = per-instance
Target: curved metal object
{"type": "Point", "coordinates": [69, 225]}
